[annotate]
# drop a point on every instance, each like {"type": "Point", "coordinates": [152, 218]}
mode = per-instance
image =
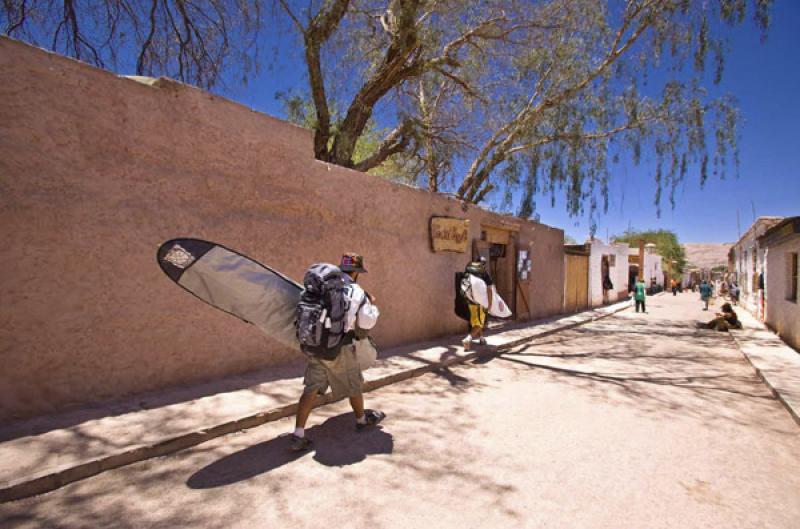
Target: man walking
{"type": "Point", "coordinates": [343, 373]}
{"type": "Point", "coordinates": [705, 293]}
{"type": "Point", "coordinates": [639, 295]}
{"type": "Point", "coordinates": [477, 314]}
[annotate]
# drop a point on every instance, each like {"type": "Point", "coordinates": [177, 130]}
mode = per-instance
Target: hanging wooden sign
{"type": "Point", "coordinates": [449, 234]}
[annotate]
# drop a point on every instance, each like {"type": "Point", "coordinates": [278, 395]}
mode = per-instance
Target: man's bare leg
{"type": "Point", "coordinates": [304, 407]}
{"type": "Point", "coordinates": [357, 403]}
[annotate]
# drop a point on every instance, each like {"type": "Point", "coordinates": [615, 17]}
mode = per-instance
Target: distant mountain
{"type": "Point", "coordinates": [707, 255]}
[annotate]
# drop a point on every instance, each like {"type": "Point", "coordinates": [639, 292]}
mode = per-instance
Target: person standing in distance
{"type": "Point", "coordinates": [705, 293]}
{"type": "Point", "coordinates": [640, 294]}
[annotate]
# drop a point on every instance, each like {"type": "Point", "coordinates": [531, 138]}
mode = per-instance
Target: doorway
{"type": "Point", "coordinates": [498, 247]}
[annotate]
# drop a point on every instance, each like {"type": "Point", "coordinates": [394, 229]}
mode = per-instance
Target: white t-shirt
{"type": "Point", "coordinates": [361, 310]}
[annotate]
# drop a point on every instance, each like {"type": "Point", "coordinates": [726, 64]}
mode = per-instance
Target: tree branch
{"type": "Point", "coordinates": [395, 142]}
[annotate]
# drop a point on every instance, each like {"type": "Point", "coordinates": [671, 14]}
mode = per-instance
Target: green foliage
{"type": "Point", "coordinates": [300, 111]}
{"type": "Point", "coordinates": [667, 245]}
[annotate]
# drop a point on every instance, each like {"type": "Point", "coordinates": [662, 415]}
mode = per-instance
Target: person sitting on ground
{"type": "Point", "coordinates": [477, 314]}
{"type": "Point", "coordinates": [725, 320]}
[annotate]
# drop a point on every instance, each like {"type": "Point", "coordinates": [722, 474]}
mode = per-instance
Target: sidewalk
{"type": "Point", "coordinates": [43, 454]}
{"type": "Point", "coordinates": [774, 361]}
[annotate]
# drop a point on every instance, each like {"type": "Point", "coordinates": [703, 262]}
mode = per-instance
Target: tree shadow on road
{"type": "Point", "coordinates": [661, 367]}
{"type": "Point", "coordinates": [336, 443]}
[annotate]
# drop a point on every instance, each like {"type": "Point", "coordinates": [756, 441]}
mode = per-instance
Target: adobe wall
{"type": "Point", "coordinates": [617, 273]}
{"type": "Point", "coordinates": [783, 314]}
{"type": "Point", "coordinates": [97, 170]}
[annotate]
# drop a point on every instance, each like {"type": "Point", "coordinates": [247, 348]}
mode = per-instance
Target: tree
{"type": "Point", "coordinates": [190, 40]}
{"type": "Point", "coordinates": [548, 93]}
{"type": "Point", "coordinates": [667, 245]}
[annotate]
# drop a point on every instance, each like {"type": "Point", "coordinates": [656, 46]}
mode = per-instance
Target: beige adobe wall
{"type": "Point", "coordinates": [783, 315]}
{"type": "Point", "coordinates": [96, 171]}
{"type": "Point", "coordinates": [542, 294]}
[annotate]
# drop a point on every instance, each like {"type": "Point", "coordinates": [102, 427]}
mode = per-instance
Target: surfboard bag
{"type": "Point", "coordinates": [461, 304]}
{"type": "Point", "coordinates": [321, 311]}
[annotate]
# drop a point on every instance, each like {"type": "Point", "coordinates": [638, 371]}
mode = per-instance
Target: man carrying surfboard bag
{"type": "Point", "coordinates": [343, 313]}
{"type": "Point", "coordinates": [477, 313]}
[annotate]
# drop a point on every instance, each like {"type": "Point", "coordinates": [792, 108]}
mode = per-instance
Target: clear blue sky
{"type": "Point", "coordinates": [764, 77]}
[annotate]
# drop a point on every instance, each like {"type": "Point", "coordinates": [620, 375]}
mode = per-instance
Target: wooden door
{"type": "Point", "coordinates": [501, 268]}
{"type": "Point", "coordinates": [576, 295]}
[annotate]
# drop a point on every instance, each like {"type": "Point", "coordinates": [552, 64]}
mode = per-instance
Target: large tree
{"type": "Point", "coordinates": [519, 95]}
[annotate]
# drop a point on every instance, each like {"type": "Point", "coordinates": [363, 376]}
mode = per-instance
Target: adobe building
{"type": "Point", "coordinates": [749, 265]}
{"type": "Point", "coordinates": [781, 244]}
{"type": "Point", "coordinates": [608, 272]}
{"type": "Point", "coordinates": [651, 270]}
{"type": "Point", "coordinates": [596, 274]}
{"type": "Point", "coordinates": [98, 170]}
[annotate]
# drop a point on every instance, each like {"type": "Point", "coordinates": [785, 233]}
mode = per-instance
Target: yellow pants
{"type": "Point", "coordinates": [477, 315]}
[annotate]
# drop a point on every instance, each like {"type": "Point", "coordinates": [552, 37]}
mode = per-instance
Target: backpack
{"type": "Point", "coordinates": [321, 311]}
{"type": "Point", "coordinates": [461, 304]}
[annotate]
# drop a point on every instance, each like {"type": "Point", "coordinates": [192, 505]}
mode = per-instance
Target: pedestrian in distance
{"type": "Point", "coordinates": [477, 314]}
{"type": "Point", "coordinates": [640, 294]}
{"type": "Point", "coordinates": [674, 287]}
{"type": "Point", "coordinates": [341, 373]}
{"type": "Point", "coordinates": [705, 293]}
{"type": "Point", "coordinates": [735, 293]}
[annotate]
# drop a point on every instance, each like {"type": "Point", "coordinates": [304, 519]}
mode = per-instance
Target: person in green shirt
{"type": "Point", "coordinates": [705, 293]}
{"type": "Point", "coordinates": [639, 294]}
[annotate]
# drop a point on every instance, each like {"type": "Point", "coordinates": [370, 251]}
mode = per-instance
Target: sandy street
{"type": "Point", "coordinates": [635, 421]}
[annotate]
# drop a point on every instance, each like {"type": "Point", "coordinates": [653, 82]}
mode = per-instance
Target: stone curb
{"type": "Point", "coordinates": [53, 479]}
{"type": "Point", "coordinates": [774, 389]}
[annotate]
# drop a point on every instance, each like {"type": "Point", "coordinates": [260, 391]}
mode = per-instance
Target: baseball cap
{"type": "Point", "coordinates": [352, 262]}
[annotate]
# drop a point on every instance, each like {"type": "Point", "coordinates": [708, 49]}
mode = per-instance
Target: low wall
{"type": "Point", "coordinates": [96, 171]}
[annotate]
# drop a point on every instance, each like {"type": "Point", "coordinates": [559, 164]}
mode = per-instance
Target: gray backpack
{"type": "Point", "coordinates": [321, 312]}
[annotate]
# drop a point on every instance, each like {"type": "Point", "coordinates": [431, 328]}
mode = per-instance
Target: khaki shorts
{"type": "Point", "coordinates": [342, 374]}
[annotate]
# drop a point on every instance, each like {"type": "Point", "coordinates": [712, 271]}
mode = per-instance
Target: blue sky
{"type": "Point", "coordinates": [764, 77]}
{"type": "Point", "coordinates": [765, 80]}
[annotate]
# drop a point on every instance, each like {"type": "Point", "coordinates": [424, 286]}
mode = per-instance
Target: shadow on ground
{"type": "Point", "coordinates": [658, 366]}
{"type": "Point", "coordinates": [336, 443]}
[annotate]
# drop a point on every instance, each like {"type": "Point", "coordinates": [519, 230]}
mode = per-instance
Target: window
{"type": "Point", "coordinates": [792, 282]}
